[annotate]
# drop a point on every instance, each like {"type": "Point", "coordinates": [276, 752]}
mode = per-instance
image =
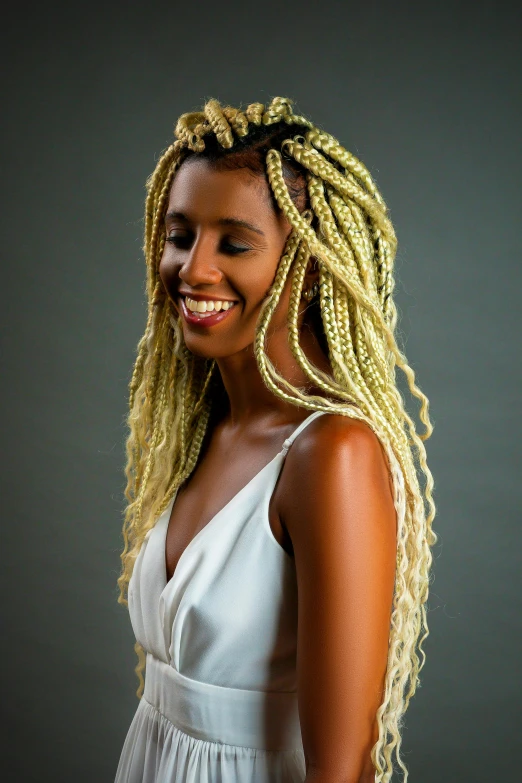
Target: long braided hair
{"type": "Point", "coordinates": [339, 218]}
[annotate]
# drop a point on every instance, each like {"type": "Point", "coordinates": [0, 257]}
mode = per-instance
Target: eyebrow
{"type": "Point", "coordinates": [226, 221]}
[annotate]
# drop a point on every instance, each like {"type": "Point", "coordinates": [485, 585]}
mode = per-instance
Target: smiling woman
{"type": "Point", "coordinates": [277, 539]}
{"type": "Point", "coordinates": [208, 246]}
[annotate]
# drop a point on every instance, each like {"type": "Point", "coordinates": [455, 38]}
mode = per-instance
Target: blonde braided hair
{"type": "Point", "coordinates": [348, 231]}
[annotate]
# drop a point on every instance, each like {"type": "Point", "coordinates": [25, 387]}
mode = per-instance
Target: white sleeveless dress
{"type": "Point", "coordinates": [220, 700]}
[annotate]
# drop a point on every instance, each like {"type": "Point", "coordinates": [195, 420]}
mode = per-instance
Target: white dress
{"type": "Point", "coordinates": [220, 700]}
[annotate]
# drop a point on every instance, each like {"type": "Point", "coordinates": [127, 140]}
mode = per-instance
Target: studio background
{"type": "Point", "coordinates": [429, 98]}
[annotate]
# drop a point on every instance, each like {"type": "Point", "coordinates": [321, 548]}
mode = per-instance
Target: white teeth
{"type": "Point", "coordinates": [206, 306]}
{"type": "Point", "coordinates": [203, 306]}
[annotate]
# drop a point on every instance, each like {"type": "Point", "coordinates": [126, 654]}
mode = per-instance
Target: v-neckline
{"type": "Point", "coordinates": [168, 511]}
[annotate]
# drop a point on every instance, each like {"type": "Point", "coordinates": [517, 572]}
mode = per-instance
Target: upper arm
{"type": "Point", "coordinates": [339, 512]}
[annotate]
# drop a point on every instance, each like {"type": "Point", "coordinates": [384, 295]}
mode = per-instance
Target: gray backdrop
{"type": "Point", "coordinates": [430, 100]}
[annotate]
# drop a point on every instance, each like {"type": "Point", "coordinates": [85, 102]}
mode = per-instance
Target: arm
{"type": "Point", "coordinates": [339, 512]}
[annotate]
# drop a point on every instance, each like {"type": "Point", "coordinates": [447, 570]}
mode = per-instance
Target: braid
{"type": "Point", "coordinates": [339, 218]}
{"type": "Point", "coordinates": [219, 124]}
{"type": "Point", "coordinates": [314, 374]}
{"type": "Point", "coordinates": [346, 186]}
{"type": "Point", "coordinates": [350, 220]}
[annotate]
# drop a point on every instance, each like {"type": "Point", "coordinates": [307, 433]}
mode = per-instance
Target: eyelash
{"type": "Point", "coordinates": [232, 249]}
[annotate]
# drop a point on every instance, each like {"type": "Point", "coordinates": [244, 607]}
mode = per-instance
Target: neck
{"type": "Point", "coordinates": [248, 400]}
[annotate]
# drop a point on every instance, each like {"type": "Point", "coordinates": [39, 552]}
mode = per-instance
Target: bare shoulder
{"type": "Point", "coordinates": [335, 470]}
{"type": "Point", "coordinates": [335, 448]}
{"type": "Point", "coordinates": [337, 431]}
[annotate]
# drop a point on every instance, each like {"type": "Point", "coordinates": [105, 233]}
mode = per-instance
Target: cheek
{"type": "Point", "coordinates": [263, 274]}
{"type": "Point", "coordinates": [271, 276]}
{"type": "Point", "coordinates": [254, 290]}
{"type": "Point", "coordinates": [261, 281]}
{"type": "Point", "coordinates": [168, 271]}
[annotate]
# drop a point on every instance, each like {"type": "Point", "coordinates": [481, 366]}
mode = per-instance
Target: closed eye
{"type": "Point", "coordinates": [183, 243]}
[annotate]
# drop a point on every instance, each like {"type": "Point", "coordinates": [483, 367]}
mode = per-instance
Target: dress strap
{"type": "Point", "coordinates": [288, 442]}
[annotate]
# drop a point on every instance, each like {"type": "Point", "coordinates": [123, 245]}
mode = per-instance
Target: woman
{"type": "Point", "coordinates": [277, 540]}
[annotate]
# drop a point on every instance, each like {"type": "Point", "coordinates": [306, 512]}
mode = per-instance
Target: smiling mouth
{"type": "Point", "coordinates": [208, 317]}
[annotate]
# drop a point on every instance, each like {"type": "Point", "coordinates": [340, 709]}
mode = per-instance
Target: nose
{"type": "Point", "coordinates": [199, 266]}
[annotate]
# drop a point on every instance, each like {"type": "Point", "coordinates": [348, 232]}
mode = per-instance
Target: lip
{"type": "Point", "coordinates": [209, 320]}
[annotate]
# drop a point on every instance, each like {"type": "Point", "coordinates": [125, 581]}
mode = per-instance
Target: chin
{"type": "Point", "coordinates": [198, 348]}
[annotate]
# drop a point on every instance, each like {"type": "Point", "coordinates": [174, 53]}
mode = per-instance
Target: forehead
{"type": "Point", "coordinates": [202, 191]}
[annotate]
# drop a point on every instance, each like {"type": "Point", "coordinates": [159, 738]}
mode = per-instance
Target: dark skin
{"type": "Point", "coordinates": [339, 522]}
